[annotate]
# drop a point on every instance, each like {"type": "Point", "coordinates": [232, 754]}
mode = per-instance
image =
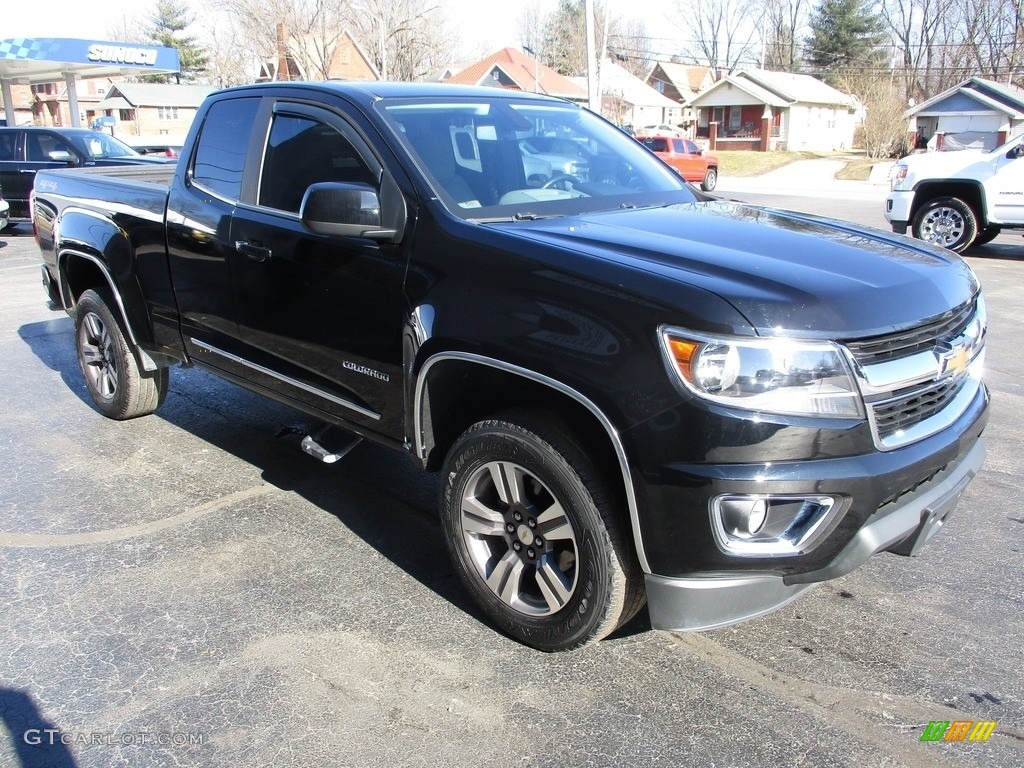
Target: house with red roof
{"type": "Point", "coordinates": [513, 69]}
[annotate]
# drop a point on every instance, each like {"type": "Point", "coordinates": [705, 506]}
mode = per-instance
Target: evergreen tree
{"type": "Point", "coordinates": [846, 35]}
{"type": "Point", "coordinates": [172, 18]}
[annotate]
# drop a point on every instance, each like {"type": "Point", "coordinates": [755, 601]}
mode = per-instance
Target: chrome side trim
{"type": "Point", "coordinates": [288, 380]}
{"type": "Point", "coordinates": [613, 434]}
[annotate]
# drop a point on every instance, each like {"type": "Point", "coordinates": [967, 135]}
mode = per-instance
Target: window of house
{"type": "Point", "coordinates": [167, 113]}
{"type": "Point", "coordinates": [126, 115]}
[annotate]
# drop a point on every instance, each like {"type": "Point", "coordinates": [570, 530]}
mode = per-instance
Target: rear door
{"type": "Point", "coordinates": [321, 317]}
{"type": "Point", "coordinates": [199, 244]}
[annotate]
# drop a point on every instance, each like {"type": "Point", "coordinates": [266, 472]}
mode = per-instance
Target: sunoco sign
{"type": "Point", "coordinates": [119, 54]}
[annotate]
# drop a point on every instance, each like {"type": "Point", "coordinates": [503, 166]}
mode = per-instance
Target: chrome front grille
{"type": "Point", "coordinates": [905, 343]}
{"type": "Point", "coordinates": [917, 382]}
{"type": "Point", "coordinates": [896, 416]}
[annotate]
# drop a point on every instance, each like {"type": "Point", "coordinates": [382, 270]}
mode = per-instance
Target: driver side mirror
{"type": "Point", "coordinates": [1015, 152]}
{"type": "Point", "coordinates": [348, 210]}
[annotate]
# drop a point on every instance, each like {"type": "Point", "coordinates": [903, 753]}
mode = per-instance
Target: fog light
{"type": "Point", "coordinates": [743, 517]}
{"type": "Point", "coordinates": [772, 526]}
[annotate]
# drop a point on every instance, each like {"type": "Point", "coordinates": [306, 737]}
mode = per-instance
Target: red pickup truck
{"type": "Point", "coordinates": [691, 162]}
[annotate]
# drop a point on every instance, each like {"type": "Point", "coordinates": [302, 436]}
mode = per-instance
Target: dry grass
{"type": "Point", "coordinates": [756, 163]}
{"type": "Point", "coordinates": [857, 170]}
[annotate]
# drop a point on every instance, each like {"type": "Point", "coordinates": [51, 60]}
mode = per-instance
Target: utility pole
{"type": "Point", "coordinates": [593, 81]}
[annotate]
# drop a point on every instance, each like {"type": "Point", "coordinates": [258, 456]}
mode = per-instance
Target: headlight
{"type": "Point", "coordinates": [784, 376]}
{"type": "Point", "coordinates": [899, 176]}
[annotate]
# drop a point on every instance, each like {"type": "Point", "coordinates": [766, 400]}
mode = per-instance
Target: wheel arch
{"type": "Point", "coordinates": [453, 390]}
{"type": "Point", "coordinates": [92, 251]}
{"type": "Point", "coordinates": [79, 271]}
{"type": "Point", "coordinates": [971, 192]}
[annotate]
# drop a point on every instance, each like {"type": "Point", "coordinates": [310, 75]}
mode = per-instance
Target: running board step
{"type": "Point", "coordinates": [319, 447]}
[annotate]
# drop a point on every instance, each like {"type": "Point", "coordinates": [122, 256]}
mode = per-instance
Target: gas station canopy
{"type": "Point", "coordinates": [27, 61]}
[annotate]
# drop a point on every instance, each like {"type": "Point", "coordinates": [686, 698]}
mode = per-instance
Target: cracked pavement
{"type": "Point", "coordinates": [189, 589]}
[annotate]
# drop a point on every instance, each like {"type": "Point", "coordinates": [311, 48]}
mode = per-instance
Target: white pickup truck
{"type": "Point", "coordinates": [956, 199]}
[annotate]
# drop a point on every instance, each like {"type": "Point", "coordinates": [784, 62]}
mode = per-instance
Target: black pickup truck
{"type": "Point", "coordinates": [631, 390]}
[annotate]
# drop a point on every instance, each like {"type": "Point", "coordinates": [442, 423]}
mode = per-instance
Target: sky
{"type": "Point", "coordinates": [482, 27]}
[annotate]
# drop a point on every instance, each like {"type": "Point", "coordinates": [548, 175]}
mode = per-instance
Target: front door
{"type": "Point", "coordinates": [322, 315]}
{"type": "Point", "coordinates": [1006, 187]}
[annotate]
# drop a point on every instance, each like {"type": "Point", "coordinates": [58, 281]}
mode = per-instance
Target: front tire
{"type": "Point", "coordinates": [710, 180]}
{"type": "Point", "coordinates": [535, 534]}
{"type": "Point", "coordinates": [946, 221]}
{"type": "Point", "coordinates": [116, 384]}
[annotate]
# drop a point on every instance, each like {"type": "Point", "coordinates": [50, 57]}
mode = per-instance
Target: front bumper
{"type": "Point", "coordinates": [898, 207]}
{"type": "Point", "coordinates": [902, 526]}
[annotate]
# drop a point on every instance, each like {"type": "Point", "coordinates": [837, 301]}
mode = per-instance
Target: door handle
{"type": "Point", "coordinates": [254, 251]}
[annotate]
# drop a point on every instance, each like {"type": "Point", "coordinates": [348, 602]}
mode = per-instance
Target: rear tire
{"type": "Point", "coordinates": [710, 180]}
{"type": "Point", "coordinates": [535, 534]}
{"type": "Point", "coordinates": [946, 221]}
{"type": "Point", "coordinates": [116, 384]}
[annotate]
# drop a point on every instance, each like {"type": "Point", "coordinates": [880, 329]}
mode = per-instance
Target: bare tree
{"type": "Point", "coordinates": [884, 131]}
{"type": "Point", "coordinates": [406, 39]}
{"type": "Point", "coordinates": [563, 39]}
{"type": "Point", "coordinates": [629, 43]}
{"type": "Point", "coordinates": [722, 33]}
{"type": "Point", "coordinates": [530, 27]}
{"type": "Point", "coordinates": [782, 27]}
{"type": "Point", "coordinates": [314, 27]}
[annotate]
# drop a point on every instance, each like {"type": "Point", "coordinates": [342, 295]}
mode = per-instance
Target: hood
{"type": "Point", "coordinates": [786, 273]}
{"type": "Point", "coordinates": [968, 163]}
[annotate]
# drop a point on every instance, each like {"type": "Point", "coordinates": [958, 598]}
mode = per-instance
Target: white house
{"type": "Point", "coordinates": [761, 110]}
{"type": "Point", "coordinates": [626, 99]}
{"type": "Point", "coordinates": [975, 113]}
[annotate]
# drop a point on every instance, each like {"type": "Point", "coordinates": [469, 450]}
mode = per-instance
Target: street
{"type": "Point", "coordinates": [191, 589]}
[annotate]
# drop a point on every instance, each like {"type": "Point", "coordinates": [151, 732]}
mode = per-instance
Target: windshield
{"type": "Point", "coordinates": [506, 158]}
{"type": "Point", "coordinates": [100, 146]}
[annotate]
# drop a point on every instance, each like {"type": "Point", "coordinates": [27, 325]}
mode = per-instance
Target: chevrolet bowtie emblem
{"type": "Point", "coordinates": [954, 362]}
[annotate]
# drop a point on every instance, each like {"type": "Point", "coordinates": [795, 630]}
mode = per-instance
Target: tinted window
{"type": "Point", "coordinates": [8, 139]}
{"type": "Point", "coordinates": [488, 158]}
{"type": "Point", "coordinates": [656, 144]}
{"type": "Point", "coordinates": [223, 143]}
{"type": "Point", "coordinates": [301, 152]}
{"type": "Point", "coordinates": [677, 145]}
{"type": "Point", "coordinates": [100, 146]}
{"type": "Point", "coordinates": [38, 146]}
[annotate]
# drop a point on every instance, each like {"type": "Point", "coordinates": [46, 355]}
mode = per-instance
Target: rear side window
{"type": "Point", "coordinates": [677, 145]}
{"type": "Point", "coordinates": [223, 143]}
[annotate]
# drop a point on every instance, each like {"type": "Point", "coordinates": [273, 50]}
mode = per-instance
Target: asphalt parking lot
{"type": "Point", "coordinates": [189, 589]}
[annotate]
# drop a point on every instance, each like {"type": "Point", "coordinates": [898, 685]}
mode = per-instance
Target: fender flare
{"type": "Point", "coordinates": [557, 386]}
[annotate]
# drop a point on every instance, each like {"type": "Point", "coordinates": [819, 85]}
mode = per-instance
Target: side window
{"type": "Point", "coordinates": [8, 142]}
{"type": "Point", "coordinates": [692, 148]}
{"type": "Point", "coordinates": [220, 153]}
{"type": "Point", "coordinates": [40, 145]}
{"type": "Point", "coordinates": [302, 151]}
{"type": "Point", "coordinates": [677, 146]}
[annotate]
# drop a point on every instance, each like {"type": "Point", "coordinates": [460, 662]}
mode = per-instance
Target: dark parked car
{"type": "Point", "coordinates": [27, 149]}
